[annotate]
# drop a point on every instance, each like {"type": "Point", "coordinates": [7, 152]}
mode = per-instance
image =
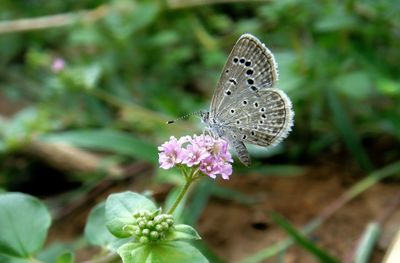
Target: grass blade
{"type": "Point", "coordinates": [367, 243]}
{"type": "Point", "coordinates": [107, 140]}
{"type": "Point", "coordinates": [303, 241]}
{"type": "Point", "coordinates": [347, 132]}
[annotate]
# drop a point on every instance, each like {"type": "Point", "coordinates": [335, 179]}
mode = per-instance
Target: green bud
{"type": "Point", "coordinates": [150, 224]}
{"type": "Point", "coordinates": [165, 225]}
{"type": "Point", "coordinates": [136, 215]}
{"type": "Point", "coordinates": [144, 214]}
{"type": "Point", "coordinates": [138, 232]}
{"type": "Point", "coordinates": [170, 221]}
{"type": "Point", "coordinates": [145, 232]}
{"type": "Point", "coordinates": [143, 239]}
{"type": "Point", "coordinates": [154, 235]}
{"type": "Point", "coordinates": [159, 227]}
{"type": "Point", "coordinates": [158, 219]}
{"type": "Point", "coordinates": [142, 224]}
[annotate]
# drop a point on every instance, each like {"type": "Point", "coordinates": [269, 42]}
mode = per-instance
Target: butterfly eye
{"type": "Point", "coordinates": [256, 104]}
{"type": "Point", "coordinates": [242, 60]}
{"type": "Point", "coordinates": [235, 60]}
{"type": "Point", "coordinates": [244, 102]}
{"type": "Point", "coordinates": [250, 81]}
{"type": "Point", "coordinates": [244, 137]}
{"type": "Point", "coordinates": [263, 116]}
{"type": "Point", "coordinates": [253, 133]}
{"type": "Point", "coordinates": [262, 109]}
{"type": "Point", "coordinates": [253, 88]}
{"type": "Point", "coordinates": [232, 111]}
{"type": "Point", "coordinates": [248, 63]}
{"type": "Point", "coordinates": [237, 122]}
{"type": "Point", "coordinates": [249, 72]}
{"type": "Point", "coordinates": [228, 92]}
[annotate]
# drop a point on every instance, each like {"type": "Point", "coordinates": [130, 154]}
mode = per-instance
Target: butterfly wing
{"type": "Point", "coordinates": [249, 66]}
{"type": "Point", "coordinates": [264, 117]}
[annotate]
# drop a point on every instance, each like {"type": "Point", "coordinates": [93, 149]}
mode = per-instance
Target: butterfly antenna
{"type": "Point", "coordinates": [197, 113]}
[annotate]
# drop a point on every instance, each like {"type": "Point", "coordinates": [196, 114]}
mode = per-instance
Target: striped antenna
{"type": "Point", "coordinates": [197, 113]}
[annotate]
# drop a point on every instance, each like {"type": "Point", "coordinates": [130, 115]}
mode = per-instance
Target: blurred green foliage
{"type": "Point", "coordinates": [145, 62]}
{"type": "Point", "coordinates": [128, 66]}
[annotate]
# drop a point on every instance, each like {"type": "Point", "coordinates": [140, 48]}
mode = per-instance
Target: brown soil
{"type": "Point", "coordinates": [234, 231]}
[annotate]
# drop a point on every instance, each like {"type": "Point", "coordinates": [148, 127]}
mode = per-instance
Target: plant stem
{"type": "Point", "coordinates": [28, 24]}
{"type": "Point", "coordinates": [34, 260]}
{"type": "Point", "coordinates": [189, 180]}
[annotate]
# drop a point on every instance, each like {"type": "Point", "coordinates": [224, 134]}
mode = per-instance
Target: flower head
{"type": "Point", "coordinates": [171, 153]}
{"type": "Point", "coordinates": [194, 154]}
{"type": "Point", "coordinates": [57, 65]}
{"type": "Point", "coordinates": [210, 155]}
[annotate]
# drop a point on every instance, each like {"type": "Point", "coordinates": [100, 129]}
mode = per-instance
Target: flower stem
{"type": "Point", "coordinates": [34, 260]}
{"type": "Point", "coordinates": [185, 188]}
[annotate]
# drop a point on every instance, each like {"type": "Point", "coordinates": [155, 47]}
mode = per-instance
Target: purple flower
{"type": "Point", "coordinates": [170, 153]}
{"type": "Point", "coordinates": [57, 65]}
{"type": "Point", "coordinates": [225, 169]}
{"type": "Point", "coordinates": [194, 154]}
{"type": "Point", "coordinates": [210, 167]}
{"type": "Point", "coordinates": [208, 154]}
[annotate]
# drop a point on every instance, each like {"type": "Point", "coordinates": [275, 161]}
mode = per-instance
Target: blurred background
{"type": "Point", "coordinates": [87, 86]}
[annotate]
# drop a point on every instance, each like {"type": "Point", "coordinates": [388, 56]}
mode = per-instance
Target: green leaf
{"type": "Point", "coordinates": [388, 87]}
{"type": "Point", "coordinates": [119, 210]}
{"type": "Point", "coordinates": [108, 140]}
{"type": "Point", "coordinates": [287, 61]}
{"type": "Point", "coordinates": [52, 252]}
{"type": "Point", "coordinates": [336, 20]}
{"type": "Point", "coordinates": [303, 241]}
{"type": "Point", "coordinates": [24, 222]}
{"type": "Point", "coordinates": [8, 259]}
{"type": "Point", "coordinates": [18, 129]}
{"type": "Point", "coordinates": [96, 232]}
{"type": "Point", "coordinates": [349, 135]}
{"type": "Point", "coordinates": [177, 252]}
{"type": "Point", "coordinates": [367, 243]}
{"type": "Point", "coordinates": [355, 85]}
{"type": "Point", "coordinates": [66, 257]}
{"type": "Point", "coordinates": [134, 17]}
{"type": "Point", "coordinates": [183, 232]}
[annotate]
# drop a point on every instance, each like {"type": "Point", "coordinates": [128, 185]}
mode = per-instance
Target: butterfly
{"type": "Point", "coordinates": [247, 107]}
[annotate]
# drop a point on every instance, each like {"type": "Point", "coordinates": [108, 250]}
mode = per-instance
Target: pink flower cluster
{"type": "Point", "coordinates": [210, 155]}
{"type": "Point", "coordinates": [58, 65]}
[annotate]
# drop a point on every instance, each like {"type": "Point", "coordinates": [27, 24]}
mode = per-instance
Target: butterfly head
{"type": "Point", "coordinates": [205, 116]}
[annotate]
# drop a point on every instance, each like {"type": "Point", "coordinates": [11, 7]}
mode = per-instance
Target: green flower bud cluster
{"type": "Point", "coordinates": [150, 226]}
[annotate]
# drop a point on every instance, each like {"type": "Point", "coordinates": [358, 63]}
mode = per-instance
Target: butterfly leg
{"type": "Point", "coordinates": [207, 131]}
{"type": "Point", "coordinates": [241, 151]}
